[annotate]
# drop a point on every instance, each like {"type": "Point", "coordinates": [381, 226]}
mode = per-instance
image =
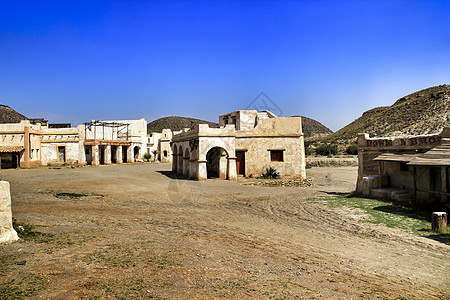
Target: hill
{"type": "Point", "coordinates": [176, 123]}
{"type": "Point", "coordinates": [422, 112]}
{"type": "Point", "coordinates": [313, 129]}
{"type": "Point", "coordinates": [9, 115]}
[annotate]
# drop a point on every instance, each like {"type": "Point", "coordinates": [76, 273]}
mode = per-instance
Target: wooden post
{"type": "Point", "coordinates": [415, 186]}
{"type": "Point", "coordinates": [439, 222]}
{"type": "Point", "coordinates": [444, 185]}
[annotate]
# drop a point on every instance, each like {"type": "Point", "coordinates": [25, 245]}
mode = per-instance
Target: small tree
{"type": "Point", "coordinates": [352, 149]}
{"type": "Point", "coordinates": [308, 151]}
{"type": "Point", "coordinates": [327, 149]}
{"type": "Point", "coordinates": [147, 156]}
{"type": "Point", "coordinates": [155, 152]}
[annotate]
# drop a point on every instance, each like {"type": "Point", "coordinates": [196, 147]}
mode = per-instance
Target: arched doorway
{"type": "Point", "coordinates": [136, 153]}
{"type": "Point", "coordinates": [216, 163]}
{"type": "Point", "coordinates": [175, 160]}
{"type": "Point", "coordinates": [124, 154]}
{"type": "Point", "coordinates": [113, 154]}
{"type": "Point", "coordinates": [186, 162]}
{"type": "Point", "coordinates": [180, 160]}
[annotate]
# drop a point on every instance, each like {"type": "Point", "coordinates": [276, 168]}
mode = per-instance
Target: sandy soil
{"type": "Point", "coordinates": [142, 233]}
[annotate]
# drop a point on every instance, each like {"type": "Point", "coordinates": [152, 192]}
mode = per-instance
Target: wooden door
{"type": "Point", "coordinates": [62, 154]}
{"type": "Point", "coordinates": [240, 162]}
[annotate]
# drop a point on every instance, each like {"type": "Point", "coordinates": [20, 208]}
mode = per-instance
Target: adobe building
{"type": "Point", "coordinates": [408, 168]}
{"type": "Point", "coordinates": [246, 143]}
{"type": "Point", "coordinates": [62, 145]}
{"type": "Point", "coordinates": [160, 142]}
{"type": "Point", "coordinates": [20, 145]}
{"type": "Point", "coordinates": [107, 142]}
{"type": "Point", "coordinates": [24, 144]}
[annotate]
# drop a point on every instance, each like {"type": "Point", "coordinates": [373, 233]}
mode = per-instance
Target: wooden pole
{"type": "Point", "coordinates": [415, 186]}
{"type": "Point", "coordinates": [439, 222]}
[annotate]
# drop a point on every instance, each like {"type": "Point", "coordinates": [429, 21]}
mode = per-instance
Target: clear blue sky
{"type": "Point", "coordinates": [73, 61]}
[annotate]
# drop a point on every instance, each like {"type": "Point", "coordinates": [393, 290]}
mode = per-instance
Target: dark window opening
{"type": "Point", "coordinates": [276, 155]}
{"type": "Point", "coordinates": [404, 166]}
{"type": "Point", "coordinates": [165, 153]}
{"type": "Point", "coordinates": [436, 179]}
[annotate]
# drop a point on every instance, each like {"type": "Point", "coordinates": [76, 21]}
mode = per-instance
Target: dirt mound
{"type": "Point", "coordinates": [176, 123]}
{"type": "Point", "coordinates": [9, 115]}
{"type": "Point", "coordinates": [423, 112]}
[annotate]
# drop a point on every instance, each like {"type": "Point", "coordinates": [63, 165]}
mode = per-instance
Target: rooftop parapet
{"type": "Point", "coordinates": [288, 126]}
{"type": "Point", "coordinates": [205, 130]}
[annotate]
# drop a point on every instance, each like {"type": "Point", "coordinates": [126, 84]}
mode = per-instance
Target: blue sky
{"type": "Point", "coordinates": [74, 61]}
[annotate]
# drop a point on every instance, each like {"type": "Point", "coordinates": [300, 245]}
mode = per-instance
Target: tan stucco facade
{"type": "Point", "coordinates": [262, 140]}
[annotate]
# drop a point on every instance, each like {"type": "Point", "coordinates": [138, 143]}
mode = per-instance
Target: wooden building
{"type": "Point", "coordinates": [409, 168]}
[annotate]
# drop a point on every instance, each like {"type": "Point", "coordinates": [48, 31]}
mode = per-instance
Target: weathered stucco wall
{"type": "Point", "coordinates": [257, 155]}
{"type": "Point", "coordinates": [71, 139]}
{"type": "Point", "coordinates": [242, 119]}
{"type": "Point", "coordinates": [274, 134]}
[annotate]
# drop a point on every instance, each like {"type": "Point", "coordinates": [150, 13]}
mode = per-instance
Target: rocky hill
{"type": "Point", "coordinates": [313, 129]}
{"type": "Point", "coordinates": [176, 123]}
{"type": "Point", "coordinates": [423, 112]}
{"type": "Point", "coordinates": [9, 115]}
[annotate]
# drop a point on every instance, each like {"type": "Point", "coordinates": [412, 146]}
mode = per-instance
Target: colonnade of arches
{"type": "Point", "coordinates": [190, 164]}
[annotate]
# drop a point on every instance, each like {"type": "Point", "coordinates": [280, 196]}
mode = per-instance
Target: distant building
{"type": "Point", "coordinates": [27, 144]}
{"type": "Point", "coordinates": [409, 168]}
{"type": "Point", "coordinates": [160, 142]}
{"type": "Point", "coordinates": [246, 144]}
{"type": "Point", "coordinates": [123, 141]}
{"type": "Point", "coordinates": [20, 144]}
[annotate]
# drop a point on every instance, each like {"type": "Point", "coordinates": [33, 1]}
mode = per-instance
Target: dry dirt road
{"type": "Point", "coordinates": [141, 233]}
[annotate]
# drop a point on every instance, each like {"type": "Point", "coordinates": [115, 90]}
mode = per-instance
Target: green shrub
{"type": "Point", "coordinates": [352, 149]}
{"type": "Point", "coordinates": [308, 151]}
{"type": "Point", "coordinates": [327, 149]}
{"type": "Point", "coordinates": [147, 156]}
{"type": "Point", "coordinates": [270, 173]}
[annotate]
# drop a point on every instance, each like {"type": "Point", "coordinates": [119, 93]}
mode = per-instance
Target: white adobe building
{"type": "Point", "coordinates": [160, 142]}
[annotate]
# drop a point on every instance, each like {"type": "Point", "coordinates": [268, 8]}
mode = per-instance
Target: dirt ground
{"type": "Point", "coordinates": [142, 233]}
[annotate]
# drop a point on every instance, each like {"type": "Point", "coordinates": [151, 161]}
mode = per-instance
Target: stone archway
{"type": "Point", "coordinates": [216, 163]}
{"type": "Point", "coordinates": [136, 151]}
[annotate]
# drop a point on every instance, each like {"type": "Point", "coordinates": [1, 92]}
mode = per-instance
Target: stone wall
{"type": "Point", "coordinates": [7, 232]}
